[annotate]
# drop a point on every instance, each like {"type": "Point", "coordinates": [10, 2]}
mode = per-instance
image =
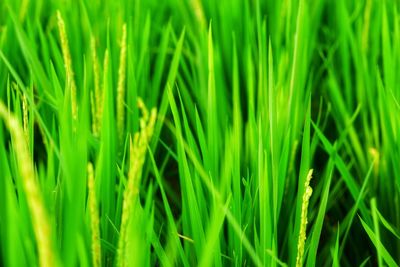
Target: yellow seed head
{"type": "Point", "coordinates": [93, 111]}
{"type": "Point", "coordinates": [303, 219]}
{"type": "Point", "coordinates": [100, 98]}
{"type": "Point", "coordinates": [375, 156]}
{"type": "Point", "coordinates": [40, 221]}
{"type": "Point", "coordinates": [199, 13]}
{"type": "Point", "coordinates": [71, 86]}
{"type": "Point", "coordinates": [145, 113]}
{"type": "Point", "coordinates": [25, 117]}
{"type": "Point", "coordinates": [366, 26]}
{"type": "Point", "coordinates": [94, 218]}
{"type": "Point", "coordinates": [138, 149]}
{"type": "Point", "coordinates": [121, 87]}
{"type": "Point", "coordinates": [96, 101]}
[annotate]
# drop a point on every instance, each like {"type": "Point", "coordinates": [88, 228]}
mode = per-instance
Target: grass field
{"type": "Point", "coordinates": [200, 133]}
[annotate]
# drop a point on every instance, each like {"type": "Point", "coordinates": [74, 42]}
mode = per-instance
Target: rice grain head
{"type": "Point", "coordinates": [96, 102]}
{"type": "Point", "coordinates": [71, 86]}
{"type": "Point", "coordinates": [121, 87]}
{"type": "Point", "coordinates": [23, 100]}
{"type": "Point", "coordinates": [93, 112]}
{"type": "Point", "coordinates": [375, 156]}
{"type": "Point", "coordinates": [145, 113]}
{"type": "Point", "coordinates": [94, 218]}
{"type": "Point", "coordinates": [25, 118]}
{"type": "Point", "coordinates": [303, 219]}
{"type": "Point", "coordinates": [138, 148]}
{"type": "Point", "coordinates": [100, 98]}
{"type": "Point", "coordinates": [366, 26]}
{"type": "Point", "coordinates": [197, 7]}
{"type": "Point", "coordinates": [40, 221]}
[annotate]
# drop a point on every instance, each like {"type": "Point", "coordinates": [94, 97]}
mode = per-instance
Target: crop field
{"type": "Point", "coordinates": [199, 133]}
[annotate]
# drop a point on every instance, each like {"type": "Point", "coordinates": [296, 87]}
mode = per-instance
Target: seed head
{"type": "Point", "coordinates": [303, 219]}
{"type": "Point", "coordinates": [40, 221]}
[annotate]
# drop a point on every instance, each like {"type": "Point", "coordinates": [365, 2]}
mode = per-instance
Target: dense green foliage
{"type": "Point", "coordinates": [250, 96]}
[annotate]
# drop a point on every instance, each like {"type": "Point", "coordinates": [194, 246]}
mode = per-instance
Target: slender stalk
{"type": "Point", "coordinates": [121, 87]}
{"type": "Point", "coordinates": [94, 218]}
{"type": "Point", "coordinates": [138, 148]}
{"type": "Point", "coordinates": [303, 221]}
{"type": "Point", "coordinates": [96, 96]}
{"type": "Point", "coordinates": [71, 86]}
{"type": "Point", "coordinates": [40, 220]}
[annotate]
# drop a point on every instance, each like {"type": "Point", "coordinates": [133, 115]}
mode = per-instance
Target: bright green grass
{"type": "Point", "coordinates": [250, 95]}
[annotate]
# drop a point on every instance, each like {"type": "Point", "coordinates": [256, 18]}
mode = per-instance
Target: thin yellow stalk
{"type": "Point", "coordinates": [68, 65]}
{"type": "Point", "coordinates": [138, 148]}
{"type": "Point", "coordinates": [24, 111]}
{"type": "Point", "coordinates": [145, 113]}
{"type": "Point", "coordinates": [375, 156]}
{"type": "Point", "coordinates": [121, 87]}
{"type": "Point", "coordinates": [93, 111]}
{"type": "Point", "coordinates": [100, 98]}
{"type": "Point", "coordinates": [366, 25]}
{"type": "Point", "coordinates": [94, 218]}
{"type": "Point", "coordinates": [96, 102]}
{"type": "Point", "coordinates": [40, 221]}
{"type": "Point", "coordinates": [23, 9]}
{"type": "Point", "coordinates": [25, 118]}
{"type": "Point", "coordinates": [199, 13]}
{"type": "Point", "coordinates": [303, 219]}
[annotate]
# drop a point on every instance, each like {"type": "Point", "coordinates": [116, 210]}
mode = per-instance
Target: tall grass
{"type": "Point", "coordinates": [245, 98]}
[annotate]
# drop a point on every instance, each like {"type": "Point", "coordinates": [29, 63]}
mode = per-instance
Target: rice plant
{"type": "Point", "coordinates": [200, 133]}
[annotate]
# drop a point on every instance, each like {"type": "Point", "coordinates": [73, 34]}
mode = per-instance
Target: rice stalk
{"type": "Point", "coordinates": [199, 13]}
{"type": "Point", "coordinates": [366, 25]}
{"type": "Point", "coordinates": [40, 220]}
{"type": "Point", "coordinates": [303, 219]}
{"type": "Point", "coordinates": [23, 9]}
{"type": "Point", "coordinates": [71, 86]}
{"type": "Point", "coordinates": [94, 116]}
{"type": "Point", "coordinates": [121, 87]}
{"type": "Point", "coordinates": [25, 118]}
{"type": "Point", "coordinates": [24, 111]}
{"type": "Point", "coordinates": [94, 218]}
{"type": "Point", "coordinates": [100, 98]}
{"type": "Point", "coordinates": [96, 97]}
{"type": "Point", "coordinates": [138, 148]}
{"type": "Point", "coordinates": [375, 156]}
{"type": "Point", "coordinates": [145, 113]}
